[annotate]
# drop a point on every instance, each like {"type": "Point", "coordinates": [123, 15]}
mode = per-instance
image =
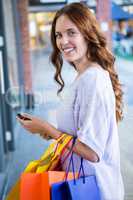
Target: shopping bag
{"type": "Point", "coordinates": [48, 161]}
{"type": "Point", "coordinates": [79, 189]}
{"type": "Point", "coordinates": [35, 186]}
{"type": "Point", "coordinates": [59, 191]}
{"type": "Point", "coordinates": [76, 189]}
{"type": "Point", "coordinates": [51, 156]}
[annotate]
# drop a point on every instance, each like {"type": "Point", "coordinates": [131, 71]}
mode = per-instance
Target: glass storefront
{"type": "Point", "coordinates": [6, 129]}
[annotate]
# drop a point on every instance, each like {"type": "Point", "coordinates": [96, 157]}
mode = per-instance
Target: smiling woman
{"type": "Point", "coordinates": [70, 41]}
{"type": "Point", "coordinates": [94, 102]}
{"type": "Point", "coordinates": [93, 105]}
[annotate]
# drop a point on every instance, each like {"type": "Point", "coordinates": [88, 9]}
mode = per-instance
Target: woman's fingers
{"type": "Point", "coordinates": [20, 121]}
{"type": "Point", "coordinates": [34, 125]}
{"type": "Point", "coordinates": [24, 122]}
{"type": "Point", "coordinates": [27, 115]}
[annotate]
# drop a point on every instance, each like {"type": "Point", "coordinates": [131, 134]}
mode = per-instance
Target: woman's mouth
{"type": "Point", "coordinates": [68, 50]}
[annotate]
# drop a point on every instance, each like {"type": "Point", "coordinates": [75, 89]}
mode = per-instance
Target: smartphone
{"type": "Point", "coordinates": [22, 117]}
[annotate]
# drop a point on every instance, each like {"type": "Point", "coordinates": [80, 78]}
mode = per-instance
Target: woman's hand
{"type": "Point", "coordinates": [33, 125]}
{"type": "Point", "coordinates": [36, 125]}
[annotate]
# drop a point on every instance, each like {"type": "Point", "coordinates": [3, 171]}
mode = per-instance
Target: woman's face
{"type": "Point", "coordinates": [70, 41]}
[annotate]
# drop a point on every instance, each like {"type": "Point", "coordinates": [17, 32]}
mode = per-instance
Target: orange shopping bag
{"type": "Point", "coordinates": [35, 186]}
{"type": "Point", "coordinates": [48, 161]}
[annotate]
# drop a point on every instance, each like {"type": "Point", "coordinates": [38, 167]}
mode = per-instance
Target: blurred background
{"type": "Point", "coordinates": [27, 84]}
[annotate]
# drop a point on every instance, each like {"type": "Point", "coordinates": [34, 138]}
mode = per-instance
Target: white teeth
{"type": "Point", "coordinates": [68, 50]}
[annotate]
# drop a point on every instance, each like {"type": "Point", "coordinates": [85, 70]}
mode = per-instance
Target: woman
{"type": "Point", "coordinates": [93, 105]}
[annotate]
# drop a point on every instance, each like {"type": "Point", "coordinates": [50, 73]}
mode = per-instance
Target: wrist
{"type": "Point", "coordinates": [48, 131]}
{"type": "Point", "coordinates": [44, 135]}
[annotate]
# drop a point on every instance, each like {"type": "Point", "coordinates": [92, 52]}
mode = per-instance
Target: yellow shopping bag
{"type": "Point", "coordinates": [48, 161]}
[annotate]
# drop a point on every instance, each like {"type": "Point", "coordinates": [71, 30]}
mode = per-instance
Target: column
{"type": "Point", "coordinates": [22, 7]}
{"type": "Point", "coordinates": [104, 16]}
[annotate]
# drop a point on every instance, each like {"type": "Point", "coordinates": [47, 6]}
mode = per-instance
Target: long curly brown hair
{"type": "Point", "coordinates": [86, 22]}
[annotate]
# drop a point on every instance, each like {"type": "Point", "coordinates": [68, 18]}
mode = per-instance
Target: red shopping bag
{"type": "Point", "coordinates": [35, 186]}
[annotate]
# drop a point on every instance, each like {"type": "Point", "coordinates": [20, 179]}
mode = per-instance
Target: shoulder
{"type": "Point", "coordinates": [93, 77]}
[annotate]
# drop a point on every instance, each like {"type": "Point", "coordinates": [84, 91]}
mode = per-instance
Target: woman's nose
{"type": "Point", "coordinates": [64, 40]}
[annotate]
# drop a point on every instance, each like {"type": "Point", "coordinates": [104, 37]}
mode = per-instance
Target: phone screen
{"type": "Point", "coordinates": [22, 117]}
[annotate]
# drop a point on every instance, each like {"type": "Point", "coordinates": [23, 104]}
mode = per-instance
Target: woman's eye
{"type": "Point", "coordinates": [58, 36]}
{"type": "Point", "coordinates": [71, 33]}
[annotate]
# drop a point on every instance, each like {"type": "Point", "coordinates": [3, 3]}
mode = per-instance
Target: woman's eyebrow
{"type": "Point", "coordinates": [69, 29]}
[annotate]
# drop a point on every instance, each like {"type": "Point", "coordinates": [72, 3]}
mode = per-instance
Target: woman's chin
{"type": "Point", "coordinates": [69, 59]}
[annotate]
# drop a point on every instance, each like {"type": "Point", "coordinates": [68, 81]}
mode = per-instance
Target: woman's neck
{"type": "Point", "coordinates": [82, 66]}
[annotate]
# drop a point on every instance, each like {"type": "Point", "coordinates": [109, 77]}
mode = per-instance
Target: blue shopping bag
{"type": "Point", "coordinates": [83, 188]}
{"type": "Point", "coordinates": [59, 191]}
{"type": "Point", "coordinates": [78, 190]}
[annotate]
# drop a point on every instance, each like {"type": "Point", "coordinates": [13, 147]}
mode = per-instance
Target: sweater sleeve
{"type": "Point", "coordinates": [90, 112]}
